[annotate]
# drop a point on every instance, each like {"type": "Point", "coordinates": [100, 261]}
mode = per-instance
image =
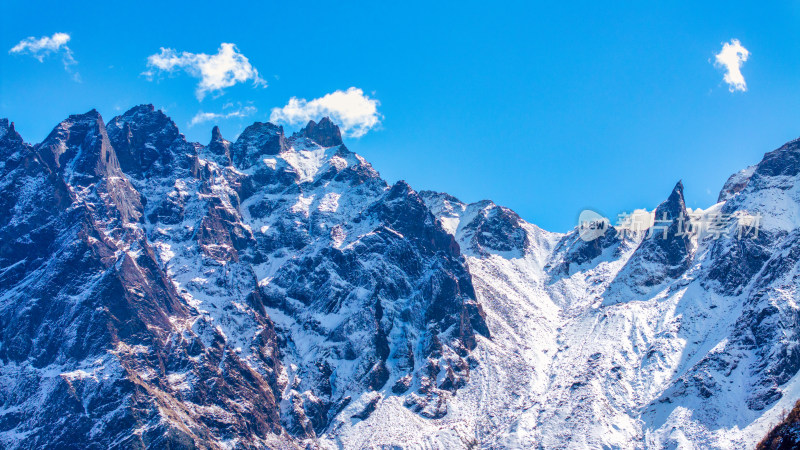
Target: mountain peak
{"type": "Point", "coordinates": [674, 205]}
{"type": "Point", "coordinates": [665, 253]}
{"type": "Point", "coordinates": [783, 161]}
{"type": "Point", "coordinates": [400, 189]}
{"type": "Point", "coordinates": [146, 113]}
{"type": "Point", "coordinates": [147, 141]}
{"type": "Point", "coordinates": [318, 300]}
{"type": "Point", "coordinates": [10, 140]}
{"type": "Point", "coordinates": [324, 133]}
{"type": "Point", "coordinates": [218, 150]}
{"type": "Point", "coordinates": [7, 130]}
{"type": "Point", "coordinates": [92, 116]}
{"type": "Point", "coordinates": [428, 194]}
{"type": "Point", "coordinates": [216, 135]}
{"type": "Point", "coordinates": [326, 121]}
{"type": "Point", "coordinates": [144, 108]}
{"type": "Point", "coordinates": [79, 148]}
{"type": "Point", "coordinates": [256, 141]}
{"type": "Point", "coordinates": [735, 184]}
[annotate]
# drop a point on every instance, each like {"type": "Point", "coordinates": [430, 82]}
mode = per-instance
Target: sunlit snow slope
{"type": "Point", "coordinates": [275, 292]}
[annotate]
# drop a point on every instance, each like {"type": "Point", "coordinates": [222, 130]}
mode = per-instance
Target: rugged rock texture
{"type": "Point", "coordinates": [275, 292]}
{"type": "Point", "coordinates": [663, 255]}
{"type": "Point", "coordinates": [634, 341]}
{"type": "Point", "coordinates": [786, 435]}
{"type": "Point", "coordinates": [325, 133]}
{"type": "Point", "coordinates": [219, 149]}
{"type": "Point", "coordinates": [141, 275]}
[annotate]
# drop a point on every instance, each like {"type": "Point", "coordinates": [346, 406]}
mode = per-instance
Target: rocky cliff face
{"type": "Point", "coordinates": [275, 292]}
{"type": "Point", "coordinates": [786, 435]}
{"type": "Point", "coordinates": [660, 339]}
{"type": "Point", "coordinates": [681, 335]}
{"type": "Point", "coordinates": [160, 293]}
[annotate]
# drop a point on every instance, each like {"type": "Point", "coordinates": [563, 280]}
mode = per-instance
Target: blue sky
{"type": "Point", "coordinates": [546, 108]}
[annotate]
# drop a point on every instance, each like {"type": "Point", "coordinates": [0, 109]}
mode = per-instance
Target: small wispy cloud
{"type": "Point", "coordinates": [216, 72]}
{"type": "Point", "coordinates": [202, 117]}
{"type": "Point", "coordinates": [732, 56]}
{"type": "Point", "coordinates": [353, 111]}
{"type": "Point", "coordinates": [42, 47]}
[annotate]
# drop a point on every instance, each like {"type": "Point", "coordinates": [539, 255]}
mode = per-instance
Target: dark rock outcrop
{"type": "Point", "coordinates": [139, 279]}
{"type": "Point", "coordinates": [785, 435]}
{"type": "Point", "coordinates": [325, 133]}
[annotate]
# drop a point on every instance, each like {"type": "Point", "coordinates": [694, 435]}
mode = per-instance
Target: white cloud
{"type": "Point", "coordinates": [201, 116]}
{"type": "Point", "coordinates": [41, 47]}
{"type": "Point", "coordinates": [353, 111]}
{"type": "Point", "coordinates": [731, 57]}
{"type": "Point", "coordinates": [216, 72]}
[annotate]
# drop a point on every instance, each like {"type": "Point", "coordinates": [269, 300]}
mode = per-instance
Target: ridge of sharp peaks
{"type": "Point", "coordinates": [325, 133]}
{"type": "Point", "coordinates": [145, 116]}
{"type": "Point", "coordinates": [148, 141]}
{"type": "Point", "coordinates": [674, 205]}
{"type": "Point", "coordinates": [8, 132]}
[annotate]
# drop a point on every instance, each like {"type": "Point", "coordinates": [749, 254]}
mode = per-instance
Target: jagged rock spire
{"type": "Point", "coordinates": [324, 133]}
{"type": "Point", "coordinates": [8, 136]}
{"type": "Point", "coordinates": [216, 135]}
{"type": "Point", "coordinates": [218, 150]}
{"type": "Point", "coordinates": [665, 253]}
{"type": "Point", "coordinates": [674, 205]}
{"type": "Point", "coordinates": [675, 248]}
{"type": "Point", "coordinates": [7, 128]}
{"type": "Point", "coordinates": [13, 150]}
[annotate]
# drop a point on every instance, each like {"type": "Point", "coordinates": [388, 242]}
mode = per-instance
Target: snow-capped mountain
{"type": "Point", "coordinates": [275, 292]}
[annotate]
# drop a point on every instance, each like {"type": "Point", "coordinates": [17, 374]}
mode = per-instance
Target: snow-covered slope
{"type": "Point", "coordinates": [158, 292]}
{"type": "Point", "coordinates": [624, 341]}
{"type": "Point", "coordinates": [650, 342]}
{"type": "Point", "coordinates": [276, 292]}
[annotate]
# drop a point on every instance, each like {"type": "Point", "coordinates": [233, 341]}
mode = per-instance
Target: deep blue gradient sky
{"type": "Point", "coordinates": [547, 108]}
